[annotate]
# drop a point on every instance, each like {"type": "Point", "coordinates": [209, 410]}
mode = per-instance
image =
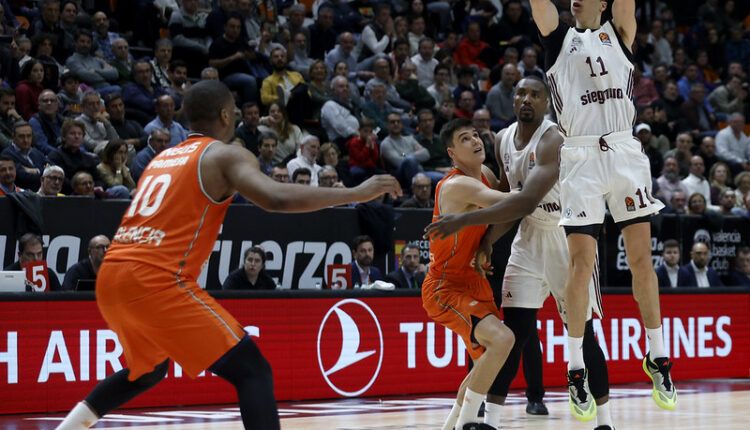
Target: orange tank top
{"type": "Point", "coordinates": [453, 257]}
{"type": "Point", "coordinates": [171, 223]}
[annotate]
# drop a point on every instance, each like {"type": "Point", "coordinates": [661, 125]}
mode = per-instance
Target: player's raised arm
{"type": "Point", "coordinates": [623, 18]}
{"type": "Point", "coordinates": [545, 16]}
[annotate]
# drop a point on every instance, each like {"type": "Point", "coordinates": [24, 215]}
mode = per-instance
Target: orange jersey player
{"type": "Point", "coordinates": [147, 289]}
{"type": "Point", "coordinates": [456, 295]}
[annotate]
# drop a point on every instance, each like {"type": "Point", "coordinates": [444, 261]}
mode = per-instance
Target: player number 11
{"type": "Point", "coordinates": [591, 66]}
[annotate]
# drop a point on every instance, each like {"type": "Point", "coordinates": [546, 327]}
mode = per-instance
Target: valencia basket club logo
{"type": "Point", "coordinates": [350, 347]}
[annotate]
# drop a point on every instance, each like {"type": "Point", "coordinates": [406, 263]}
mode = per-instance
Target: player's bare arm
{"type": "Point", "coordinates": [226, 169]}
{"type": "Point", "coordinates": [491, 178]}
{"type": "Point", "coordinates": [463, 193]}
{"type": "Point", "coordinates": [623, 18]}
{"type": "Point", "coordinates": [545, 16]}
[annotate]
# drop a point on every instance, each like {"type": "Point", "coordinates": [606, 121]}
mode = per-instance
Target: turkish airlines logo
{"type": "Point", "coordinates": [350, 347]}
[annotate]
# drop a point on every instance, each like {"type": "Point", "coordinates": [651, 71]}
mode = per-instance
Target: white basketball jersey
{"type": "Point", "coordinates": [518, 164]}
{"type": "Point", "coordinates": [592, 84]}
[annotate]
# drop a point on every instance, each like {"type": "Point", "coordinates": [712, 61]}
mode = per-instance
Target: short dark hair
{"type": "Point", "coordinates": [266, 135]}
{"type": "Point", "coordinates": [400, 41]}
{"type": "Point", "coordinates": [110, 149]}
{"type": "Point", "coordinates": [255, 250]}
{"type": "Point", "coordinates": [301, 171]}
{"type": "Point", "coordinates": [177, 63]}
{"type": "Point", "coordinates": [28, 239]}
{"type": "Point", "coordinates": [409, 246]}
{"type": "Point", "coordinates": [465, 71]}
{"type": "Point", "coordinates": [82, 32]}
{"type": "Point", "coordinates": [18, 124]}
{"type": "Point", "coordinates": [204, 101]}
{"type": "Point", "coordinates": [536, 78]}
{"type": "Point", "coordinates": [450, 129]}
{"type": "Point", "coordinates": [424, 111]}
{"type": "Point", "coordinates": [366, 122]}
{"type": "Point", "coordinates": [671, 243]}
{"type": "Point", "coordinates": [439, 67]}
{"type": "Point", "coordinates": [359, 240]}
{"type": "Point", "coordinates": [6, 92]}
{"type": "Point", "coordinates": [7, 158]}
{"type": "Point", "coordinates": [248, 105]}
{"type": "Point", "coordinates": [70, 123]}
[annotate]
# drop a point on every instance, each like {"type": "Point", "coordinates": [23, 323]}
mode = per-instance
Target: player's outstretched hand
{"type": "Point", "coordinates": [445, 226]}
{"type": "Point", "coordinates": [483, 259]}
{"type": "Point", "coordinates": [376, 186]}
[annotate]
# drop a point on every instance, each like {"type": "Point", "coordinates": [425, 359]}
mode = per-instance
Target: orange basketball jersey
{"type": "Point", "coordinates": [171, 223]}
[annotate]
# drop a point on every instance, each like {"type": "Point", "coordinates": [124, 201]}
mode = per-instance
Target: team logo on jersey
{"type": "Point", "coordinates": [604, 38]}
{"type": "Point", "coordinates": [568, 213]}
{"type": "Point", "coordinates": [629, 204]}
{"type": "Point", "coordinates": [532, 160]}
{"type": "Point", "coordinates": [350, 347]}
{"type": "Point", "coordinates": [575, 44]}
{"type": "Point", "coordinates": [506, 162]}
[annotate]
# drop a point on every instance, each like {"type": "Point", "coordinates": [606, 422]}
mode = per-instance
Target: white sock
{"type": "Point", "coordinates": [450, 421]}
{"type": "Point", "coordinates": [80, 418]}
{"type": "Point", "coordinates": [656, 342]}
{"type": "Point", "coordinates": [493, 414]}
{"type": "Point", "coordinates": [603, 415]}
{"type": "Point", "coordinates": [470, 408]}
{"type": "Point", "coordinates": [575, 348]}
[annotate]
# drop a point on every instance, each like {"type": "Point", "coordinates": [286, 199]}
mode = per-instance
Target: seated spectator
{"type": "Point", "coordinates": [644, 90]}
{"type": "Point", "coordinates": [344, 53]}
{"type": "Point", "coordinates": [697, 117]}
{"type": "Point", "coordinates": [677, 203]}
{"type": "Point", "coordinates": [377, 108]}
{"type": "Point", "coordinates": [481, 122]}
{"type": "Point", "coordinates": [384, 76]}
{"type": "Point", "coordinates": [52, 181]}
{"type": "Point", "coordinates": [191, 38]}
{"type": "Point", "coordinates": [733, 145]}
{"type": "Point", "coordinates": [91, 70]}
{"type": "Point", "coordinates": [251, 19]}
{"type": "Point", "coordinates": [471, 48]}
{"type": "Point", "coordinates": [698, 273]}
{"type": "Point", "coordinates": [379, 34]}
{"type": "Point", "coordinates": [421, 190]}
{"type": "Point", "coordinates": [300, 61]}
{"type": "Point", "coordinates": [29, 89]}
{"type": "Point", "coordinates": [408, 88]}
{"type": "Point", "coordinates": [30, 162]}
{"type": "Point", "coordinates": [178, 76]}
{"type": "Point", "coordinates": [682, 153]}
{"type": "Point", "coordinates": [425, 62]}
{"type": "Point", "coordinates": [158, 140]}
{"type": "Point", "coordinates": [742, 181]}
{"type": "Point", "coordinates": [720, 179]}
{"type": "Point", "coordinates": [364, 156]}
{"type": "Point", "coordinates": [113, 171]}
{"type": "Point", "coordinates": [281, 81]}
{"type": "Point", "coordinates": [500, 97]}
{"type": "Point", "coordinates": [290, 136]}
{"type": "Point", "coordinates": [51, 22]}
{"type": "Point", "coordinates": [69, 155]}
{"type": "Point", "coordinates": [740, 276]}
{"type": "Point", "coordinates": [268, 144]}
{"type": "Point", "coordinates": [411, 274]}
{"type": "Point", "coordinates": [31, 250]}
{"type": "Point", "coordinates": [70, 97]}
{"type": "Point", "coordinates": [465, 106]}
{"type": "Point", "coordinates": [99, 130]}
{"type": "Point", "coordinates": [301, 176]}
{"type": "Point", "coordinates": [439, 160]}
{"type": "Point", "coordinates": [8, 116]}
{"type": "Point", "coordinates": [728, 98]}
{"type": "Point", "coordinates": [643, 133]}
{"type": "Point", "coordinates": [46, 123]}
{"type": "Point", "coordinates": [128, 130]}
{"type": "Point", "coordinates": [43, 45]}
{"type": "Point", "coordinates": [122, 61]}
{"type": "Point", "coordinates": [83, 185]}
{"type": "Point", "coordinates": [707, 151]}
{"type": "Point", "coordinates": [363, 272]}
{"type": "Point", "coordinates": [695, 182]}
{"type": "Point", "coordinates": [402, 154]}
{"type": "Point", "coordinates": [160, 64]}
{"type": "Point", "coordinates": [248, 132]}
{"type": "Point", "coordinates": [329, 178]}
{"type": "Point", "coordinates": [323, 34]}
{"type": "Point", "coordinates": [337, 115]}
{"type": "Point", "coordinates": [670, 267]}
{"type": "Point", "coordinates": [728, 204]}
{"type": "Point", "coordinates": [319, 89]}
{"type": "Point", "coordinates": [165, 119]}
{"type": "Point", "coordinates": [87, 269]}
{"type": "Point", "coordinates": [218, 17]}
{"type": "Point", "coordinates": [229, 54]}
{"type": "Point", "coordinates": [441, 90]}
{"type": "Point", "coordinates": [103, 38]}
{"type": "Point", "coordinates": [252, 275]}
{"type": "Point", "coordinates": [529, 65]}
{"type": "Point", "coordinates": [140, 96]}
{"type": "Point", "coordinates": [281, 174]}
{"type": "Point", "coordinates": [309, 148]}
{"type": "Point", "coordinates": [8, 176]}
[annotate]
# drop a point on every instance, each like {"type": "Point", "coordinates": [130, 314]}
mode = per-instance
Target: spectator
{"type": "Point", "coordinates": [697, 117]}
{"type": "Point", "coordinates": [740, 276]}
{"type": "Point", "coordinates": [268, 144]}
{"type": "Point", "coordinates": [8, 176]}
{"type": "Point", "coordinates": [728, 204]}
{"type": "Point", "coordinates": [672, 102]}
{"type": "Point", "coordinates": [402, 154]}
{"type": "Point", "coordinates": [68, 24]}
{"type": "Point", "coordinates": [441, 90]}
{"type": "Point", "coordinates": [49, 22]}
{"type": "Point", "coordinates": [466, 82]}
{"type": "Point", "coordinates": [295, 24]}
{"type": "Point", "coordinates": [682, 153]}
{"type": "Point", "coordinates": [30, 162]}
{"type": "Point", "coordinates": [500, 97]}
{"type": "Point", "coordinates": [319, 89]}
{"type": "Point", "coordinates": [733, 145]}
{"type": "Point", "coordinates": [729, 98]}
{"type": "Point", "coordinates": [218, 17]}
{"type": "Point", "coordinates": [69, 155]}
{"type": "Point", "coordinates": [42, 47]}
{"type": "Point", "coordinates": [421, 188]}
{"type": "Point", "coordinates": [190, 37]}
{"type": "Point", "coordinates": [300, 61]}
{"type": "Point", "coordinates": [86, 269]}
{"type": "Point", "coordinates": [46, 123]}
{"type": "Point", "coordinates": [128, 130]}
{"type": "Point", "coordinates": [529, 64]}
{"type": "Point", "coordinates": [411, 273]}
{"type": "Point", "coordinates": [70, 97]}
{"type": "Point", "coordinates": [337, 115]}
{"type": "Point", "coordinates": [91, 70]}
{"type": "Point", "coordinates": [248, 132]}
{"type": "Point", "coordinates": [377, 108]}
{"type": "Point", "coordinates": [160, 64]}
{"type": "Point", "coordinates": [103, 38]}
{"type": "Point", "coordinates": [178, 76]}
{"type": "Point", "coordinates": [384, 76]}
{"type": "Point", "coordinates": [445, 113]}
{"type": "Point", "coordinates": [158, 140]}
{"type": "Point", "coordinates": [719, 177]}
{"type": "Point", "coordinates": [417, 27]}
{"type": "Point", "coordinates": [165, 119]}
{"type": "Point", "coordinates": [113, 171]}
{"type": "Point", "coordinates": [280, 174]}
{"type": "Point", "coordinates": [695, 182]}
{"type": "Point", "coordinates": [99, 130]}
{"type": "Point", "coordinates": [425, 62]}
{"type": "Point", "coordinates": [364, 155]}
{"type": "Point", "coordinates": [670, 267]}
{"type": "Point", "coordinates": [409, 89]}
{"type": "Point", "coordinates": [707, 151]}
{"type": "Point", "coordinates": [466, 103]}
{"type": "Point", "coordinates": [31, 250]}
{"type": "Point", "coordinates": [742, 181]}
{"type": "Point", "coordinates": [378, 35]}
{"type": "Point", "coordinates": [122, 61]}
{"type": "Point", "coordinates": [698, 273]}
{"type": "Point", "coordinates": [140, 96]}
{"type": "Point", "coordinates": [309, 148]}
{"type": "Point", "coordinates": [302, 176]}
{"type": "Point", "coordinates": [677, 203]}
{"type": "Point", "coordinates": [471, 48]}
{"type": "Point", "coordinates": [323, 34]}
{"type": "Point", "coordinates": [330, 155]}
{"type": "Point", "coordinates": [644, 89]}
{"type": "Point", "coordinates": [52, 181]}
{"type": "Point", "coordinates": [281, 81]}
{"type": "Point", "coordinates": [229, 55]}
{"type": "Point", "coordinates": [83, 185]}
{"type": "Point", "coordinates": [481, 122]}
{"type": "Point", "coordinates": [329, 178]}
{"type": "Point", "coordinates": [290, 136]}
{"type": "Point", "coordinates": [8, 116]}
{"type": "Point", "coordinates": [650, 145]}
{"type": "Point", "coordinates": [29, 89]}
{"type": "Point", "coordinates": [439, 160]}
{"type": "Point", "coordinates": [363, 272]}
{"type": "Point", "coordinates": [252, 275]}
{"type": "Point", "coordinates": [662, 48]}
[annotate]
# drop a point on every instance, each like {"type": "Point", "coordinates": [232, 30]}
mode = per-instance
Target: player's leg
{"type": "Point", "coordinates": [596, 364]}
{"type": "Point", "coordinates": [533, 372]}
{"type": "Point", "coordinates": [245, 367]}
{"type": "Point", "coordinates": [112, 392]}
{"type": "Point", "coordinates": [656, 364]}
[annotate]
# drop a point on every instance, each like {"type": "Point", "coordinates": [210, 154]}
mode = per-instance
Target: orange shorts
{"type": "Point", "coordinates": [156, 318]}
{"type": "Point", "coordinates": [459, 306]}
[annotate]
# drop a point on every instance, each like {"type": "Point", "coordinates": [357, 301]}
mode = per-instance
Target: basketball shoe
{"type": "Point", "coordinates": [478, 426]}
{"type": "Point", "coordinates": [582, 404]}
{"type": "Point", "coordinates": [665, 393]}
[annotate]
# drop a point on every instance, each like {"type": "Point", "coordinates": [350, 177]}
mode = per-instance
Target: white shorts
{"type": "Point", "coordinates": [592, 175]}
{"type": "Point", "coordinates": [538, 266]}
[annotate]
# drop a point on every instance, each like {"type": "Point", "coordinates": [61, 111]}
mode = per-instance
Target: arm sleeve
{"type": "Point", "coordinates": [78, 69]}
{"type": "Point", "coordinates": [552, 44]}
{"type": "Point", "coordinates": [421, 153]}
{"type": "Point", "coordinates": [390, 154]}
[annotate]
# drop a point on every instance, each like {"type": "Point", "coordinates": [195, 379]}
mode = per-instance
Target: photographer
{"type": "Point", "coordinates": [230, 55]}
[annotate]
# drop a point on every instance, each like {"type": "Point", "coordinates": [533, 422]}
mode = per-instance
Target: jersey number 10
{"type": "Point", "coordinates": [591, 66]}
{"type": "Point", "coordinates": [145, 203]}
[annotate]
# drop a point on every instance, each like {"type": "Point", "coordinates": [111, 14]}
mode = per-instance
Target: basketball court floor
{"type": "Point", "coordinates": [720, 404]}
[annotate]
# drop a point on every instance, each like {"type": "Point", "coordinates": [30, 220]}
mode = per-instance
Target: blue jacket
{"type": "Point", "coordinates": [663, 276]}
{"type": "Point", "coordinates": [686, 277]}
{"type": "Point", "coordinates": [29, 181]}
{"type": "Point", "coordinates": [375, 275]}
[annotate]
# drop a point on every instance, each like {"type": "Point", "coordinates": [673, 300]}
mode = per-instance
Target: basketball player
{"type": "Point", "coordinates": [453, 293]}
{"type": "Point", "coordinates": [538, 264]}
{"type": "Point", "coordinates": [147, 290]}
{"type": "Point", "coordinates": [590, 74]}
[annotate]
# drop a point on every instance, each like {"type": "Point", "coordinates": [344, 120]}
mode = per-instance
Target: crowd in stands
{"type": "Point", "coordinates": [330, 92]}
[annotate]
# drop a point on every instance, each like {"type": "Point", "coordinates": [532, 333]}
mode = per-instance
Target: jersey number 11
{"type": "Point", "coordinates": [591, 66]}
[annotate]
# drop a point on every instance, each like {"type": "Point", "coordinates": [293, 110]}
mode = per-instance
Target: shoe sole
{"type": "Point", "coordinates": [655, 393]}
{"type": "Point", "coordinates": [585, 417]}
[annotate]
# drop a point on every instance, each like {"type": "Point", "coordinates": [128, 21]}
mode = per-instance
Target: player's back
{"type": "Point", "coordinates": [171, 223]}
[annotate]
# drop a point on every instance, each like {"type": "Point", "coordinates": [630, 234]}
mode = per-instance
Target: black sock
{"type": "Point", "coordinates": [115, 390]}
{"type": "Point", "coordinates": [520, 321]}
{"type": "Point", "coordinates": [593, 356]}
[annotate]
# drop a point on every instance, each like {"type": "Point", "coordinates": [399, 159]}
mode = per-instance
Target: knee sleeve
{"type": "Point", "coordinates": [241, 362]}
{"type": "Point", "coordinates": [596, 364]}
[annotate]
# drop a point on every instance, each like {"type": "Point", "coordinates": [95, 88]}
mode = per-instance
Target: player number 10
{"type": "Point", "coordinates": [145, 203]}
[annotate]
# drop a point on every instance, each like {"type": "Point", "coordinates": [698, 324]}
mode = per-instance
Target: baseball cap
{"type": "Point", "coordinates": [642, 126]}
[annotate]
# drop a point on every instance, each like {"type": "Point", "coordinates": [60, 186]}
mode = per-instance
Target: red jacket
{"type": "Point", "coordinates": [362, 156]}
{"type": "Point", "coordinates": [467, 53]}
{"type": "Point", "coordinates": [27, 99]}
